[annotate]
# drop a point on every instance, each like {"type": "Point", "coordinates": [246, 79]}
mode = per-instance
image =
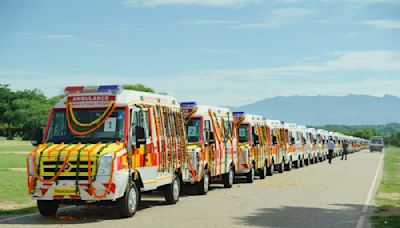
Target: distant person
{"type": "Point", "coordinates": [345, 149]}
{"type": "Point", "coordinates": [331, 146]}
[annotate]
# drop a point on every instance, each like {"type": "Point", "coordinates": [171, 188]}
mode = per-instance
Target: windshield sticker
{"type": "Point", "coordinates": [192, 131]}
{"type": "Point", "coordinates": [110, 124]}
{"type": "Point", "coordinates": [242, 132]}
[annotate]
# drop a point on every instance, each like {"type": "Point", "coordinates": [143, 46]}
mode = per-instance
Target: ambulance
{"type": "Point", "coordinates": [253, 156]}
{"type": "Point", "coordinates": [294, 144]}
{"type": "Point", "coordinates": [306, 146]}
{"type": "Point", "coordinates": [107, 145]}
{"type": "Point", "coordinates": [211, 146]}
{"type": "Point", "coordinates": [322, 135]}
{"type": "Point", "coordinates": [278, 146]}
{"type": "Point", "coordinates": [314, 144]}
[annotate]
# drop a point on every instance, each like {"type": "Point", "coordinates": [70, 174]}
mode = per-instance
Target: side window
{"type": "Point", "coordinates": [144, 122]}
{"type": "Point", "coordinates": [58, 127]}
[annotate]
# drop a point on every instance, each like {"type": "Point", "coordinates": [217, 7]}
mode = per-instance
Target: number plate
{"type": "Point", "coordinates": [64, 191]}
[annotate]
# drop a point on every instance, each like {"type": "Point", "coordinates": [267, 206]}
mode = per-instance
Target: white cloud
{"type": "Point", "coordinates": [279, 18]}
{"type": "Point", "coordinates": [385, 24]}
{"type": "Point", "coordinates": [59, 37]}
{"type": "Point", "coordinates": [209, 22]}
{"type": "Point", "coordinates": [206, 3]}
{"type": "Point", "coordinates": [218, 51]}
{"type": "Point", "coordinates": [346, 72]}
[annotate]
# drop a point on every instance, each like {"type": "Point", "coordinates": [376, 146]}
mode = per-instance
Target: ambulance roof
{"type": "Point", "coordinates": [91, 97]}
{"type": "Point", "coordinates": [202, 110]}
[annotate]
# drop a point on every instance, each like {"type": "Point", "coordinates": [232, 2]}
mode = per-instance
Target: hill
{"type": "Point", "coordinates": [322, 110]}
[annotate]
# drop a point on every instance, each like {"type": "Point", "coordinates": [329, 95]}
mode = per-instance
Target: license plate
{"type": "Point", "coordinates": [64, 191]}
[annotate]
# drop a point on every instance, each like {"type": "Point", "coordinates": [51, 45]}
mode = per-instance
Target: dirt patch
{"type": "Point", "coordinates": [391, 195]}
{"type": "Point", "coordinates": [17, 169]}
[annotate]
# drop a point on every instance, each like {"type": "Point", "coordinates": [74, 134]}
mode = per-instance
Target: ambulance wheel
{"type": "Point", "coordinates": [250, 175]}
{"type": "Point", "coordinates": [298, 163]}
{"type": "Point", "coordinates": [47, 207]}
{"type": "Point", "coordinates": [263, 172]}
{"type": "Point", "coordinates": [281, 167]}
{"type": "Point", "coordinates": [311, 160]}
{"type": "Point", "coordinates": [271, 169]}
{"type": "Point", "coordinates": [302, 162]}
{"type": "Point", "coordinates": [128, 204]}
{"type": "Point", "coordinates": [172, 191]}
{"type": "Point", "coordinates": [289, 165]}
{"type": "Point", "coordinates": [204, 184]}
{"type": "Point", "coordinates": [227, 178]}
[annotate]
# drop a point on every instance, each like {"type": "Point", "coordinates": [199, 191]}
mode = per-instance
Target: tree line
{"type": "Point", "coordinates": [21, 112]}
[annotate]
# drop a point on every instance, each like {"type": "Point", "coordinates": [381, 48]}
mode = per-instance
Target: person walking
{"type": "Point", "coordinates": [331, 146]}
{"type": "Point", "coordinates": [345, 149]}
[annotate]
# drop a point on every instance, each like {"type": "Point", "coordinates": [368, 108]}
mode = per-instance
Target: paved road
{"type": "Point", "coordinates": [321, 195]}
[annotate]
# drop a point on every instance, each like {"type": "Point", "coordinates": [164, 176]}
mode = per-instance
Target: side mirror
{"type": "Point", "coordinates": [140, 136]}
{"type": "Point", "coordinates": [256, 140]}
{"type": "Point", "coordinates": [292, 141]}
{"type": "Point", "coordinates": [37, 137]}
{"type": "Point", "coordinates": [211, 140]}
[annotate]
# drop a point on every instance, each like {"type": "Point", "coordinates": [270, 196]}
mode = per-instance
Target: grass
{"type": "Point", "coordinates": [14, 198]}
{"type": "Point", "coordinates": [15, 145]}
{"type": "Point", "coordinates": [13, 187]}
{"type": "Point", "coordinates": [387, 199]}
{"type": "Point", "coordinates": [12, 161]}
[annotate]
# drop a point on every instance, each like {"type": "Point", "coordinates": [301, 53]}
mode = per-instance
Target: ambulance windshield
{"type": "Point", "coordinates": [193, 130]}
{"type": "Point", "coordinates": [112, 130]}
{"type": "Point", "coordinates": [243, 133]}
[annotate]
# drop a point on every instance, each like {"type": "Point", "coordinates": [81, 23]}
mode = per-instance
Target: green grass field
{"type": "Point", "coordinates": [13, 189]}
{"type": "Point", "coordinates": [387, 199]}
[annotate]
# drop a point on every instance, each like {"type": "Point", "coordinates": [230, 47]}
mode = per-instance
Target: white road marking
{"type": "Point", "coordinates": [371, 192]}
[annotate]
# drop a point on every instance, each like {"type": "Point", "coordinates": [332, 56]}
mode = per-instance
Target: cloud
{"type": "Point", "coordinates": [209, 22]}
{"type": "Point", "coordinates": [60, 37]}
{"type": "Point", "coordinates": [385, 24]}
{"type": "Point", "coordinates": [372, 72]}
{"type": "Point", "coordinates": [205, 3]}
{"type": "Point", "coordinates": [218, 51]}
{"type": "Point", "coordinates": [278, 18]}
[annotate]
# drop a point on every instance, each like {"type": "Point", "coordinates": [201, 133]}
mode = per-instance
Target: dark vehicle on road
{"type": "Point", "coordinates": [376, 144]}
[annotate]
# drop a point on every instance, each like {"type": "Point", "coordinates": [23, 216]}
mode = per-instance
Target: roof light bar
{"type": "Point", "coordinates": [238, 114]}
{"type": "Point", "coordinates": [110, 88]}
{"type": "Point", "coordinates": [73, 89]}
{"type": "Point", "coordinates": [188, 104]}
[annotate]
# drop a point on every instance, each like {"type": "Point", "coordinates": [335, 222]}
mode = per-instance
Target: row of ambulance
{"type": "Point", "coordinates": [107, 145]}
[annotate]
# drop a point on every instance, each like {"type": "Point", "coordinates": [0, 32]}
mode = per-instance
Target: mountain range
{"type": "Point", "coordinates": [321, 110]}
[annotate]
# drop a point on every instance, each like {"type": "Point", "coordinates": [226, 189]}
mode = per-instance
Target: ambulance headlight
{"type": "Point", "coordinates": [105, 165]}
{"type": "Point", "coordinates": [30, 165]}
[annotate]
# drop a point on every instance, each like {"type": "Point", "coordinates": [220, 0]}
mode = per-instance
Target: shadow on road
{"type": "Point", "coordinates": [344, 215]}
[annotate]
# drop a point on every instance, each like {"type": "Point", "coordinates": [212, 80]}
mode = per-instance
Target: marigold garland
{"type": "Point", "coordinates": [111, 105]}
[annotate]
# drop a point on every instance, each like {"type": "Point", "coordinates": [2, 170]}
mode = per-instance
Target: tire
{"type": "Point", "coordinates": [289, 166]}
{"type": "Point", "coordinates": [281, 168]}
{"type": "Point", "coordinates": [302, 162]}
{"type": "Point", "coordinates": [271, 169]}
{"type": "Point", "coordinates": [227, 178]}
{"type": "Point", "coordinates": [128, 204]}
{"type": "Point", "coordinates": [311, 160]}
{"type": "Point", "coordinates": [298, 163]}
{"type": "Point", "coordinates": [47, 207]}
{"type": "Point", "coordinates": [172, 191]}
{"type": "Point", "coordinates": [307, 162]}
{"type": "Point", "coordinates": [250, 175]}
{"type": "Point", "coordinates": [204, 185]}
{"type": "Point", "coordinates": [263, 172]}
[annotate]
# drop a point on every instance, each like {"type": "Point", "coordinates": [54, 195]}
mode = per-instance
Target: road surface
{"type": "Point", "coordinates": [320, 195]}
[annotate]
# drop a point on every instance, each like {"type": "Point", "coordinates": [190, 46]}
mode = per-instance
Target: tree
{"type": "Point", "coordinates": [138, 87]}
{"type": "Point", "coordinates": [7, 98]}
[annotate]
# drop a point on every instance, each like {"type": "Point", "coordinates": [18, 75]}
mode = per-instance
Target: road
{"type": "Point", "coordinates": [320, 195]}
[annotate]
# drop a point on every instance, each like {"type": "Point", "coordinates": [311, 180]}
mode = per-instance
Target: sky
{"type": "Point", "coordinates": [216, 52]}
